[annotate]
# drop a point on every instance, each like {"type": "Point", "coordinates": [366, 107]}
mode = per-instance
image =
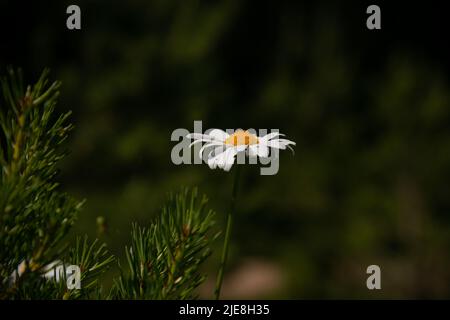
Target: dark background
{"type": "Point", "coordinates": [368, 109]}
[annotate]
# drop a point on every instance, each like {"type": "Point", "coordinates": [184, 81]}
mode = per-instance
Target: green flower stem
{"type": "Point", "coordinates": [230, 215]}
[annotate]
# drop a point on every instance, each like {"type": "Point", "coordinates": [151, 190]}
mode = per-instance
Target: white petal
{"type": "Point", "coordinates": [211, 144]}
{"type": "Point", "coordinates": [270, 136]}
{"type": "Point", "coordinates": [276, 144]}
{"type": "Point", "coordinates": [253, 150]}
{"type": "Point", "coordinates": [213, 161]}
{"type": "Point", "coordinates": [198, 136]}
{"type": "Point", "coordinates": [260, 150]}
{"type": "Point", "coordinates": [216, 150]}
{"type": "Point", "coordinates": [218, 135]}
{"type": "Point", "coordinates": [223, 160]}
{"type": "Point", "coordinates": [263, 151]}
{"type": "Point", "coordinates": [198, 141]}
{"type": "Point", "coordinates": [228, 159]}
{"type": "Point", "coordinates": [280, 143]}
{"type": "Point", "coordinates": [287, 141]}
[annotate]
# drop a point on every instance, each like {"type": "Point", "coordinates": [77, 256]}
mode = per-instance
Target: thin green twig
{"type": "Point", "coordinates": [230, 216]}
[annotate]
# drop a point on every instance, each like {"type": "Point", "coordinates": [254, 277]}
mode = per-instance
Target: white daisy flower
{"type": "Point", "coordinates": [225, 147]}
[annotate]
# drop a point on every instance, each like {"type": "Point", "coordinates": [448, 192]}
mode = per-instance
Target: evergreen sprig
{"type": "Point", "coordinates": [34, 215]}
{"type": "Point", "coordinates": [93, 260]}
{"type": "Point", "coordinates": [163, 260]}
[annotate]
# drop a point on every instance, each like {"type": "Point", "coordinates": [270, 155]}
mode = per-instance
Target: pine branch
{"type": "Point", "coordinates": [93, 260]}
{"type": "Point", "coordinates": [34, 215]}
{"type": "Point", "coordinates": [163, 260]}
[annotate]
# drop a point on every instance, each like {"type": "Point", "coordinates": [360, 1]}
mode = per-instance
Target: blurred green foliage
{"type": "Point", "coordinates": [369, 113]}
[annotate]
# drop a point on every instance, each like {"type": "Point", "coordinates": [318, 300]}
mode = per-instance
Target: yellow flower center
{"type": "Point", "coordinates": [241, 137]}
